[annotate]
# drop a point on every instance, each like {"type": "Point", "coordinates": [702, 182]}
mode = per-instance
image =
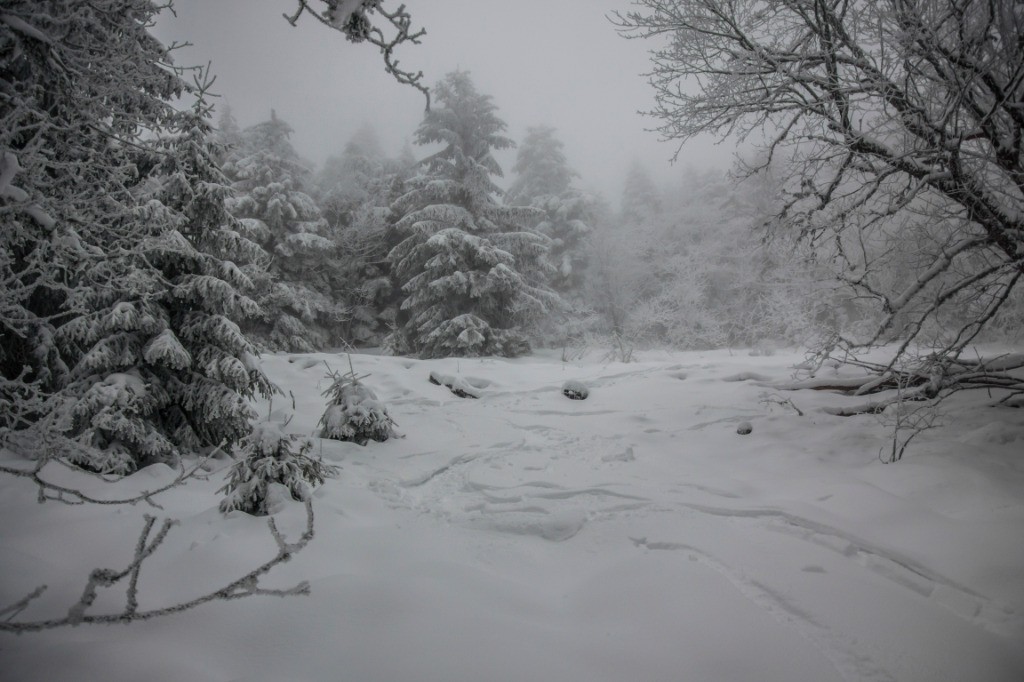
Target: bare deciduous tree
{"type": "Point", "coordinates": [900, 125]}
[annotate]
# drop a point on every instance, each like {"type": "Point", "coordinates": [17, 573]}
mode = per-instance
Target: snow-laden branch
{"type": "Point", "coordinates": [128, 577]}
{"type": "Point", "coordinates": [9, 167]}
{"type": "Point", "coordinates": [353, 18]}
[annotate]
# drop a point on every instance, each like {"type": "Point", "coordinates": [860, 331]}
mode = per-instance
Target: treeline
{"type": "Point", "coordinates": [426, 255]}
{"type": "Point", "coordinates": [147, 256]}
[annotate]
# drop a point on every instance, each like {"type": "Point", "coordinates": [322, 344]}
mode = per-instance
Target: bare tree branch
{"type": "Point", "coordinates": [148, 543]}
{"type": "Point", "coordinates": [49, 491]}
{"type": "Point", "coordinates": [354, 19]}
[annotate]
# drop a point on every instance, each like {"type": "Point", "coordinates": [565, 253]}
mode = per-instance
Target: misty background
{"type": "Point", "coordinates": [558, 64]}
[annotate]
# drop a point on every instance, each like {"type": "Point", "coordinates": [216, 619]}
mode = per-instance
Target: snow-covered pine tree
{"type": "Point", "coordinates": [165, 368]}
{"type": "Point", "coordinates": [353, 179]}
{"type": "Point", "coordinates": [544, 181]}
{"type": "Point", "coordinates": [227, 135]}
{"type": "Point", "coordinates": [300, 312]}
{"type": "Point", "coordinates": [111, 251]}
{"type": "Point", "coordinates": [64, 174]}
{"type": "Point", "coordinates": [270, 461]}
{"type": "Point", "coordinates": [354, 413]}
{"type": "Point", "coordinates": [472, 268]}
{"type": "Point", "coordinates": [354, 190]}
{"type": "Point", "coordinates": [641, 200]}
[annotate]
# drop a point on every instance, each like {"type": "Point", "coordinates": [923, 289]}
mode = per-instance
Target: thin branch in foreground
{"type": "Point", "coordinates": [769, 399]}
{"type": "Point", "coordinates": [49, 491]}
{"type": "Point", "coordinates": [246, 586]}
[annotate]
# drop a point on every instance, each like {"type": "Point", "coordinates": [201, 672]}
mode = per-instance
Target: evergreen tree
{"type": "Point", "coordinates": [165, 366]}
{"type": "Point", "coordinates": [118, 303]}
{"type": "Point", "coordinates": [641, 200]}
{"type": "Point", "coordinates": [296, 289]}
{"type": "Point", "coordinates": [227, 134]}
{"type": "Point", "coordinates": [544, 181]}
{"type": "Point", "coordinates": [541, 167]}
{"type": "Point", "coordinates": [352, 180]}
{"type": "Point", "coordinates": [472, 269]}
{"type": "Point", "coordinates": [355, 190]}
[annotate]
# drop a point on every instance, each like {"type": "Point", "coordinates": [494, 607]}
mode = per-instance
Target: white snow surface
{"type": "Point", "coordinates": [633, 536]}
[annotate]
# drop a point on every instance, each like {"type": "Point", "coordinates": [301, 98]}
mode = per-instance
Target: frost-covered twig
{"type": "Point", "coordinates": [245, 586]}
{"type": "Point", "coordinates": [351, 17]}
{"type": "Point", "coordinates": [769, 399]}
{"type": "Point", "coordinates": [909, 422]}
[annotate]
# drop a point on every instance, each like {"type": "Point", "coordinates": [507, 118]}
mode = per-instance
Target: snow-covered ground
{"type": "Point", "coordinates": [523, 536]}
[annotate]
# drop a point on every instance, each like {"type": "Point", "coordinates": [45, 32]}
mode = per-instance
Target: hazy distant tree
{"type": "Point", "coordinates": [299, 312]}
{"type": "Point", "coordinates": [466, 260]}
{"type": "Point", "coordinates": [544, 181]}
{"type": "Point", "coordinates": [896, 122]}
{"type": "Point", "coordinates": [696, 275]}
{"type": "Point", "coordinates": [627, 255]}
{"type": "Point", "coordinates": [616, 276]}
{"type": "Point", "coordinates": [541, 167]}
{"type": "Point", "coordinates": [227, 134]}
{"type": "Point", "coordinates": [355, 190]}
{"type": "Point", "coordinates": [641, 199]}
{"type": "Point", "coordinates": [717, 283]}
{"type": "Point", "coordinates": [353, 179]}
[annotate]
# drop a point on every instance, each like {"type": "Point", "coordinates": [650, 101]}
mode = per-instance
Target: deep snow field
{"type": "Point", "coordinates": [633, 536]}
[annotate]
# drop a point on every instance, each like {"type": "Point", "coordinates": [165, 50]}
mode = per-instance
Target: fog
{"type": "Point", "coordinates": [553, 63]}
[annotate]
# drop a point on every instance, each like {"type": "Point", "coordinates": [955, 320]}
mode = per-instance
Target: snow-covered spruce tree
{"type": "Point", "coordinates": [296, 290]}
{"type": "Point", "coordinates": [164, 367]}
{"type": "Point", "coordinates": [353, 179]}
{"type": "Point", "coordinates": [624, 257]}
{"type": "Point", "coordinates": [84, 88]}
{"type": "Point", "coordinates": [641, 199]}
{"type": "Point", "coordinates": [103, 283]}
{"type": "Point", "coordinates": [354, 413]}
{"type": "Point", "coordinates": [269, 459]}
{"type": "Point", "coordinates": [544, 181]}
{"type": "Point", "coordinates": [354, 190]}
{"type": "Point", "coordinates": [472, 269]}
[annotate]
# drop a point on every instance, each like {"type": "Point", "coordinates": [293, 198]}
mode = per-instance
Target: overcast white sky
{"type": "Point", "coordinates": [551, 62]}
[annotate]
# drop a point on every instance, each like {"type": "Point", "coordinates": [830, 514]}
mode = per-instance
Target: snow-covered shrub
{"type": "Point", "coordinates": [354, 413]}
{"type": "Point", "coordinates": [575, 390]}
{"type": "Point", "coordinates": [269, 457]}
